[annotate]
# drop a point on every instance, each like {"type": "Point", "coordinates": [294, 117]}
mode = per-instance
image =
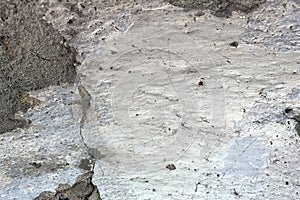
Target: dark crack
{"type": "Point", "coordinates": [219, 8]}
{"type": "Point", "coordinates": [85, 103]}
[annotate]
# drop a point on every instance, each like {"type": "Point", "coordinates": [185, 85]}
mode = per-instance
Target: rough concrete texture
{"type": "Point", "coordinates": [171, 105]}
{"type": "Point", "coordinates": [276, 26]}
{"type": "Point", "coordinates": [32, 56]}
{"type": "Point", "coordinates": [220, 8]}
{"type": "Point", "coordinates": [47, 153]}
{"type": "Point", "coordinates": [82, 189]}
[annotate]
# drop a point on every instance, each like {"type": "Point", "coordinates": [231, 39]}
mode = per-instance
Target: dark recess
{"type": "Point", "coordinates": [219, 8]}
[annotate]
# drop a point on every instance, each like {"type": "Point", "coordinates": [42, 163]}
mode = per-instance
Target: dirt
{"type": "Point", "coordinates": [32, 56]}
{"type": "Point", "coordinates": [219, 8]}
{"type": "Point", "coordinates": [34, 168]}
{"type": "Point", "coordinates": [82, 189]}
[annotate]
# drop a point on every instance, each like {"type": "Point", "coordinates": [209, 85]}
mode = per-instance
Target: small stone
{"type": "Point", "coordinates": [171, 167]}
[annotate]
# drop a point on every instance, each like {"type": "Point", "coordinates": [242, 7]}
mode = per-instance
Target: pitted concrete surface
{"type": "Point", "coordinates": [170, 104]}
{"type": "Point", "coordinates": [276, 26]}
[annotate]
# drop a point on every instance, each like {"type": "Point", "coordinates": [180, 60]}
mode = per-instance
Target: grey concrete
{"type": "Point", "coordinates": [220, 8]}
{"type": "Point", "coordinates": [276, 26]}
{"type": "Point", "coordinates": [169, 103]}
{"type": "Point", "coordinates": [32, 56]}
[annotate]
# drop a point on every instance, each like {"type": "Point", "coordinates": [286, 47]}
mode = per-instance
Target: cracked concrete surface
{"type": "Point", "coordinates": [33, 55]}
{"type": "Point", "coordinates": [166, 106]}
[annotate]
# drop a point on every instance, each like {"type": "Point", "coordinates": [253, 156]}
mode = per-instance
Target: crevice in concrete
{"type": "Point", "coordinates": [85, 103]}
{"type": "Point", "coordinates": [219, 8]}
{"type": "Point", "coordinates": [83, 188]}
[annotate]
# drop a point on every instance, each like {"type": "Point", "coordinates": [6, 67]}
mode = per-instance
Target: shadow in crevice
{"type": "Point", "coordinates": [219, 8]}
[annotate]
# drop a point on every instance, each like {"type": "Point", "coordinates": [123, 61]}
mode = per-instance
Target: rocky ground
{"type": "Point", "coordinates": [169, 100]}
